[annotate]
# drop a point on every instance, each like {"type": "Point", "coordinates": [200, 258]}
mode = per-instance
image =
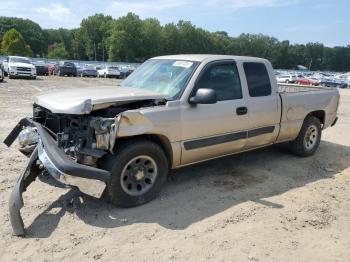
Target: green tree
{"type": "Point", "coordinates": [31, 32]}
{"type": "Point", "coordinates": [151, 38]}
{"type": "Point", "coordinates": [60, 35]}
{"type": "Point", "coordinates": [94, 32]}
{"type": "Point", "coordinates": [171, 39]}
{"type": "Point", "coordinates": [132, 39]}
{"type": "Point", "coordinates": [78, 47]}
{"type": "Point", "coordinates": [59, 52]}
{"type": "Point", "coordinates": [125, 41]}
{"type": "Point", "coordinates": [14, 44]}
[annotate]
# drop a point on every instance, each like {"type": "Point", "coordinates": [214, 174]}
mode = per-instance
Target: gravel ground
{"type": "Point", "coordinates": [266, 205]}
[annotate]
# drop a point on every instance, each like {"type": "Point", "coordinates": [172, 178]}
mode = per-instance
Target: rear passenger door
{"type": "Point", "coordinates": [263, 103]}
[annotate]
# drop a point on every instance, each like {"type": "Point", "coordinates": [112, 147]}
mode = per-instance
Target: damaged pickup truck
{"type": "Point", "coordinates": [171, 112]}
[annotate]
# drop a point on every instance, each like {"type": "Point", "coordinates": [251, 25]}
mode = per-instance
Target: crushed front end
{"type": "Point", "coordinates": [68, 147]}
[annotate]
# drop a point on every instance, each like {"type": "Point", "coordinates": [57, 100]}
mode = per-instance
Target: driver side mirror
{"type": "Point", "coordinates": [204, 96]}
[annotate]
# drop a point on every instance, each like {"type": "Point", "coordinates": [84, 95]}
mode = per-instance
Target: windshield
{"type": "Point", "coordinates": [168, 77]}
{"type": "Point", "coordinates": [20, 60]}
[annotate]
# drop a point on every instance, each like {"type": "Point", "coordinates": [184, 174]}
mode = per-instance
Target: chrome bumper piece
{"type": "Point", "coordinates": [91, 187]}
{"type": "Point", "coordinates": [89, 180]}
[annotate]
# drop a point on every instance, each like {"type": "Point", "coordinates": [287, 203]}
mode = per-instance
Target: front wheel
{"type": "Point", "coordinates": [139, 168]}
{"type": "Point", "coordinates": [308, 139]}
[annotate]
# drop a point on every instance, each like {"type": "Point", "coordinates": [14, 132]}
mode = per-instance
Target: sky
{"type": "Point", "coordinates": [300, 21]}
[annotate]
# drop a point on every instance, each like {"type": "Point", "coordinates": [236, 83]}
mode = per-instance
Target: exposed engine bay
{"type": "Point", "coordinates": [85, 138]}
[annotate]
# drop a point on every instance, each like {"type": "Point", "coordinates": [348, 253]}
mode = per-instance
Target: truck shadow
{"type": "Point", "coordinates": [203, 190]}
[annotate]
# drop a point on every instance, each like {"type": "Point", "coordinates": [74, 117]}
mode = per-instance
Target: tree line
{"type": "Point", "coordinates": [131, 39]}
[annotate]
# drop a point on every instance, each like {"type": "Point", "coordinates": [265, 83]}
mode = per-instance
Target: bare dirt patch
{"type": "Point", "coordinates": [266, 205]}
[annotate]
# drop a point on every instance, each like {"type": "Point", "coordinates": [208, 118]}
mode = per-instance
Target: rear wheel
{"type": "Point", "coordinates": [139, 169]}
{"type": "Point", "coordinates": [308, 139]}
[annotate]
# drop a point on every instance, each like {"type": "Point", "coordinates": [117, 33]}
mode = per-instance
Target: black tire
{"type": "Point", "coordinates": [127, 151]}
{"type": "Point", "coordinates": [299, 145]}
{"type": "Point", "coordinates": [5, 73]}
{"type": "Point", "coordinates": [10, 76]}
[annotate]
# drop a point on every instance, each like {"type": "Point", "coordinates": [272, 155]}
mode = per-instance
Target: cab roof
{"type": "Point", "coordinates": [210, 57]}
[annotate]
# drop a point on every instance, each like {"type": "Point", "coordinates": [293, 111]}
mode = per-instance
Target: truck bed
{"type": "Point", "coordinates": [293, 88]}
{"type": "Point", "coordinates": [298, 101]}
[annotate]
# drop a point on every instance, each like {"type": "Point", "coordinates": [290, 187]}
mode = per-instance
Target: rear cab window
{"type": "Point", "coordinates": [258, 79]}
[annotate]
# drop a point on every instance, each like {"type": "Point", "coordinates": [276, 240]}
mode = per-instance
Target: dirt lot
{"type": "Point", "coordinates": [266, 205]}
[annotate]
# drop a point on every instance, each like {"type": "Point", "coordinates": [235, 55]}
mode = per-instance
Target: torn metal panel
{"type": "Point", "coordinates": [16, 199]}
{"type": "Point", "coordinates": [133, 123]}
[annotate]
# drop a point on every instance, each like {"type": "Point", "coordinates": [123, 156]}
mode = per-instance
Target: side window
{"type": "Point", "coordinates": [258, 79]}
{"type": "Point", "coordinates": [224, 79]}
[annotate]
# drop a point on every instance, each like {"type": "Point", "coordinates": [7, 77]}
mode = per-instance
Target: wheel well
{"type": "Point", "coordinates": [320, 114]}
{"type": "Point", "coordinates": [160, 140]}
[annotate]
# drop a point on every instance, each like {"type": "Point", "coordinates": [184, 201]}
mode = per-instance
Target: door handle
{"type": "Point", "coordinates": [241, 110]}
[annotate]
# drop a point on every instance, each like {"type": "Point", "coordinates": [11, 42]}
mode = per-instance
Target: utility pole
{"type": "Point", "coordinates": [310, 64]}
{"type": "Point", "coordinates": [95, 50]}
{"type": "Point", "coordinates": [103, 50]}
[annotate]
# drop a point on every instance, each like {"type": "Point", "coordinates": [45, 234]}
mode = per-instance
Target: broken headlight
{"type": "Point", "coordinates": [28, 136]}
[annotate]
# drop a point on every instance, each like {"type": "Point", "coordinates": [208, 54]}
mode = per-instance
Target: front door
{"type": "Point", "coordinates": [213, 130]}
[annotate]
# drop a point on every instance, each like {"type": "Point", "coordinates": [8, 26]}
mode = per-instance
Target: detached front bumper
{"type": "Point", "coordinates": [89, 180]}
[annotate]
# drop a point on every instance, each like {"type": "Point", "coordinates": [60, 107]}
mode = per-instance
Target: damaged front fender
{"type": "Point", "coordinates": [128, 123]}
{"type": "Point", "coordinates": [133, 123]}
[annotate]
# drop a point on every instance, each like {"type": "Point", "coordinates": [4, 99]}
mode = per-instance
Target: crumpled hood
{"type": "Point", "coordinates": [22, 65]}
{"type": "Point", "coordinates": [84, 100]}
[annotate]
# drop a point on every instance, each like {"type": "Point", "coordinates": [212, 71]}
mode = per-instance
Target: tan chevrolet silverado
{"type": "Point", "coordinates": [171, 112]}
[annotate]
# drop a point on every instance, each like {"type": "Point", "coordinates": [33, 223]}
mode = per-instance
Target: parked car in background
{"type": "Point", "coordinates": [339, 83]}
{"type": "Point", "coordinates": [286, 78]}
{"type": "Point", "coordinates": [41, 68]}
{"type": "Point", "coordinates": [126, 71]}
{"type": "Point", "coordinates": [308, 81]}
{"type": "Point", "coordinates": [65, 68]}
{"type": "Point", "coordinates": [17, 66]}
{"type": "Point", "coordinates": [88, 72]}
{"type": "Point", "coordinates": [50, 68]}
{"type": "Point", "coordinates": [109, 71]}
